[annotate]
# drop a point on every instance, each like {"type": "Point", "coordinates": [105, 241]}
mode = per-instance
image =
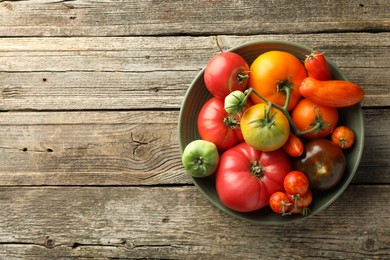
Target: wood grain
{"type": "Point", "coordinates": [128, 148]}
{"type": "Point", "coordinates": [155, 73]}
{"type": "Point", "coordinates": [179, 223]}
{"type": "Point", "coordinates": [173, 17]}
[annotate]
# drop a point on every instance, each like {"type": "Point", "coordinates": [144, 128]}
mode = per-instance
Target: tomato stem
{"type": "Point", "coordinates": [318, 124]}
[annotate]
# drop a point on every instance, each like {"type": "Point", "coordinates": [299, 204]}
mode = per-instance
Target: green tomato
{"type": "Point", "coordinates": [264, 128]}
{"type": "Point", "coordinates": [200, 158]}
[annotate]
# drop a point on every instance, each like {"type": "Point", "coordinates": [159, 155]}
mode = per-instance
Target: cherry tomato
{"type": "Point", "coordinates": [279, 202]}
{"type": "Point", "coordinates": [331, 93]}
{"type": "Point", "coordinates": [296, 182]}
{"type": "Point", "coordinates": [343, 136]}
{"type": "Point", "coordinates": [316, 66]}
{"type": "Point", "coordinates": [293, 146]}
{"type": "Point", "coordinates": [300, 203]}
{"type": "Point", "coordinates": [264, 131]}
{"type": "Point", "coordinates": [307, 114]}
{"type": "Point", "coordinates": [217, 126]}
{"type": "Point", "coordinates": [323, 162]}
{"type": "Point", "coordinates": [225, 73]}
{"type": "Point", "coordinates": [200, 158]}
{"type": "Point", "coordinates": [246, 177]}
{"type": "Point", "coordinates": [274, 71]}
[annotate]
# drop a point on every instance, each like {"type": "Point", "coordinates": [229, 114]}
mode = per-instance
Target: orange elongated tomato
{"type": "Point", "coordinates": [331, 93]}
{"type": "Point", "coordinates": [272, 72]}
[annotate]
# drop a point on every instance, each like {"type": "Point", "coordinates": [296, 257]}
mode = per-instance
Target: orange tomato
{"type": "Point", "coordinates": [331, 93]}
{"type": "Point", "coordinates": [271, 72]}
{"type": "Point", "coordinates": [307, 113]}
{"type": "Point", "coordinates": [343, 136]}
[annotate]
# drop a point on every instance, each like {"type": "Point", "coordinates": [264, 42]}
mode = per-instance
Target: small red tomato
{"type": "Point", "coordinates": [296, 182]}
{"type": "Point", "coordinates": [316, 66]}
{"type": "Point", "coordinates": [343, 136]}
{"type": "Point", "coordinates": [300, 203]}
{"type": "Point", "coordinates": [225, 73]}
{"type": "Point", "coordinates": [279, 202]}
{"type": "Point", "coordinates": [294, 146]}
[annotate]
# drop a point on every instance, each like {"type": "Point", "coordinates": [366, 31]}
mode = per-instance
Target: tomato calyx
{"type": "Point", "coordinates": [231, 122]}
{"type": "Point", "coordinates": [242, 76]}
{"type": "Point", "coordinates": [239, 75]}
{"type": "Point", "coordinates": [257, 169]}
{"type": "Point", "coordinates": [267, 121]}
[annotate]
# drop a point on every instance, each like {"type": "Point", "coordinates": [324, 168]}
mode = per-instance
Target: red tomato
{"type": "Point", "coordinates": [274, 71]}
{"type": "Point", "coordinates": [246, 177]}
{"type": "Point", "coordinates": [225, 73]}
{"type": "Point", "coordinates": [294, 146]}
{"type": "Point", "coordinates": [343, 136]}
{"type": "Point", "coordinates": [296, 182]}
{"type": "Point", "coordinates": [300, 203]}
{"type": "Point", "coordinates": [307, 113]}
{"type": "Point", "coordinates": [217, 126]}
{"type": "Point", "coordinates": [316, 66]}
{"type": "Point", "coordinates": [279, 202]}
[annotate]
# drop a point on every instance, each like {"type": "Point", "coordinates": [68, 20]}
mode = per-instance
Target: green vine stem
{"type": "Point", "coordinates": [317, 124]}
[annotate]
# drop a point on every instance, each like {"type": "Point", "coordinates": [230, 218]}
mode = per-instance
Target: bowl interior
{"type": "Point", "coordinates": [197, 95]}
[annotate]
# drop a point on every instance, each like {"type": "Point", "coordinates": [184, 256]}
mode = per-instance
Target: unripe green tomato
{"type": "Point", "coordinates": [200, 158]}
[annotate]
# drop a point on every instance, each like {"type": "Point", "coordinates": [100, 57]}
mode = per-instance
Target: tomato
{"type": "Point", "coordinates": [279, 202]}
{"type": "Point", "coordinates": [226, 72]}
{"type": "Point", "coordinates": [307, 114]}
{"type": "Point", "coordinates": [200, 158]}
{"type": "Point", "coordinates": [300, 203]}
{"type": "Point", "coordinates": [296, 182]}
{"type": "Point", "coordinates": [293, 146]}
{"type": "Point", "coordinates": [217, 126]}
{"type": "Point", "coordinates": [316, 66]}
{"type": "Point", "coordinates": [272, 72]}
{"type": "Point", "coordinates": [246, 177]}
{"type": "Point", "coordinates": [262, 132]}
{"type": "Point", "coordinates": [331, 93]}
{"type": "Point", "coordinates": [323, 162]}
{"type": "Point", "coordinates": [343, 136]}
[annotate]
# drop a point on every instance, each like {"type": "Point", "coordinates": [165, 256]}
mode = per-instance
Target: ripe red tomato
{"type": "Point", "coordinates": [217, 126]}
{"type": "Point", "coordinates": [225, 73]}
{"type": "Point", "coordinates": [343, 136]}
{"type": "Point", "coordinates": [296, 182]}
{"type": "Point", "coordinates": [293, 146]}
{"type": "Point", "coordinates": [271, 72]}
{"type": "Point", "coordinates": [246, 177]}
{"type": "Point", "coordinates": [316, 66]}
{"type": "Point", "coordinates": [307, 113]}
{"type": "Point", "coordinates": [300, 203]}
{"type": "Point", "coordinates": [279, 202]}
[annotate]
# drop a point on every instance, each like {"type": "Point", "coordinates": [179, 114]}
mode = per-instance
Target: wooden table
{"type": "Point", "coordinates": [90, 98]}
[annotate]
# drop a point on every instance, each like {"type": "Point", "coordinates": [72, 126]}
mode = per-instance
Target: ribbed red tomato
{"type": "Point", "coordinates": [217, 126]}
{"type": "Point", "coordinates": [246, 177]}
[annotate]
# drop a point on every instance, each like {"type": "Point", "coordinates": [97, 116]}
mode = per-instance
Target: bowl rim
{"type": "Point", "coordinates": [340, 190]}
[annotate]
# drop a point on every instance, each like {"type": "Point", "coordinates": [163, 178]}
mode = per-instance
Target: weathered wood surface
{"type": "Point", "coordinates": [155, 72]}
{"type": "Point", "coordinates": [90, 96]}
{"type": "Point", "coordinates": [177, 222]}
{"type": "Point", "coordinates": [173, 17]}
{"type": "Point", "coordinates": [128, 148]}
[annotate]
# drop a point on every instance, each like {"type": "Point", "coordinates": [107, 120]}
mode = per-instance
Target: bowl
{"type": "Point", "coordinates": [197, 94]}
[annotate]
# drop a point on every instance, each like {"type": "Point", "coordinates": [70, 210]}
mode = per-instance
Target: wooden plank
{"type": "Point", "coordinates": [110, 18]}
{"type": "Point", "coordinates": [128, 148]}
{"type": "Point", "coordinates": [179, 223]}
{"type": "Point", "coordinates": [150, 72]}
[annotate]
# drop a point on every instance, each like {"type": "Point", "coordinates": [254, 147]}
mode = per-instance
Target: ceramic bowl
{"type": "Point", "coordinates": [197, 94]}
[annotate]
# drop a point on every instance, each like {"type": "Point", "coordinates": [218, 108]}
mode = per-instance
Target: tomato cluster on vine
{"type": "Point", "coordinates": [271, 131]}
